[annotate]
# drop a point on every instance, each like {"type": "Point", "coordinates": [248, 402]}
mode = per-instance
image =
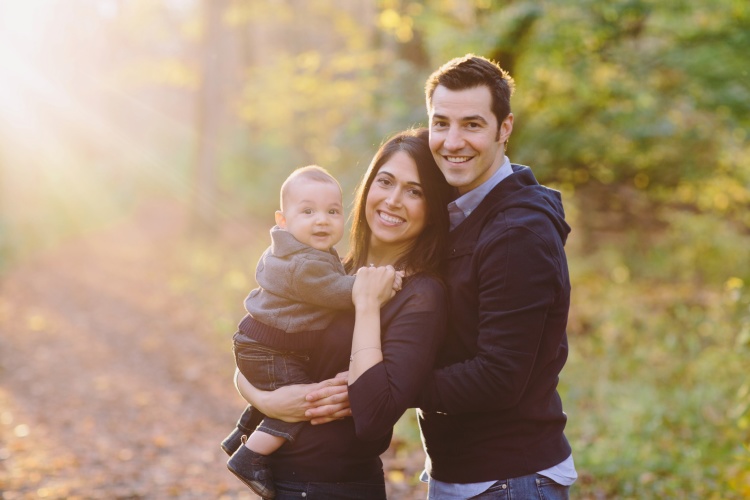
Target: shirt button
{"type": "Point", "coordinates": [505, 486]}
{"type": "Point", "coordinates": [304, 494]}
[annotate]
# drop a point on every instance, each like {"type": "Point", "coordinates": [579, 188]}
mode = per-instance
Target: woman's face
{"type": "Point", "coordinates": [395, 208]}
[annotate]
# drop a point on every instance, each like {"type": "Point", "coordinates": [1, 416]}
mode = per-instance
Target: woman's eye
{"type": "Point", "coordinates": [383, 181]}
{"type": "Point", "coordinates": [415, 193]}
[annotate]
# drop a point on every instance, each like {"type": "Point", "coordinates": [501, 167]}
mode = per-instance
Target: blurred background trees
{"type": "Point", "coordinates": [637, 110]}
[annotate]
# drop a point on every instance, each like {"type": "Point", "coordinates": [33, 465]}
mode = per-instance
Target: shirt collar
{"type": "Point", "coordinates": [461, 207]}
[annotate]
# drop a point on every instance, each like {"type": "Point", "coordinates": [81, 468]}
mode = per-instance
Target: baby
{"type": "Point", "coordinates": [301, 285]}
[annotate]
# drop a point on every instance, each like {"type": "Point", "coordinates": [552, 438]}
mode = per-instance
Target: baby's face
{"type": "Point", "coordinates": [314, 214]}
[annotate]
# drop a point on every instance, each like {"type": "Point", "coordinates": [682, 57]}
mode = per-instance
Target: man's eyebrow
{"type": "Point", "coordinates": [471, 118]}
{"type": "Point", "coordinates": [474, 118]}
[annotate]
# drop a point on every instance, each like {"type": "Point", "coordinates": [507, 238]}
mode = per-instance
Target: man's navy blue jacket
{"type": "Point", "coordinates": [492, 410]}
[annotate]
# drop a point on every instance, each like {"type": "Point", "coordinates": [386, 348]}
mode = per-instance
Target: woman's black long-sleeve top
{"type": "Point", "coordinates": [413, 324]}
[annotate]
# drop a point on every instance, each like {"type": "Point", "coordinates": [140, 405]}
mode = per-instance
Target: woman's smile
{"type": "Point", "coordinates": [389, 218]}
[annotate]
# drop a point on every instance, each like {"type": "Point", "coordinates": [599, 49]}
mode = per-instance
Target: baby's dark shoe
{"type": "Point", "coordinates": [252, 469]}
{"type": "Point", "coordinates": [233, 441]}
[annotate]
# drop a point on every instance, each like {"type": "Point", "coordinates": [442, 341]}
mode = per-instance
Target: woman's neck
{"type": "Point", "coordinates": [384, 255]}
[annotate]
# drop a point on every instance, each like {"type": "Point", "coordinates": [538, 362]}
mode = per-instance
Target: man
{"type": "Point", "coordinates": [491, 418]}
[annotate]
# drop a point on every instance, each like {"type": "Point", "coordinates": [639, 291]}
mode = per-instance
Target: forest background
{"type": "Point", "coordinates": [637, 110]}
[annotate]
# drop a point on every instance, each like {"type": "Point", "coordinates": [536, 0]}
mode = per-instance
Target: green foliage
{"type": "Point", "coordinates": [613, 89]}
{"type": "Point", "coordinates": [655, 386]}
{"type": "Point", "coordinates": [696, 249]}
{"type": "Point", "coordinates": [651, 95]}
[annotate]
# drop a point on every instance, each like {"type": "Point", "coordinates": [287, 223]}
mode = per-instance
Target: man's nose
{"type": "Point", "coordinates": [453, 139]}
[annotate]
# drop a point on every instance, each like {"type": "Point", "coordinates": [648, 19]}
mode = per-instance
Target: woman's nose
{"type": "Point", "coordinates": [394, 200]}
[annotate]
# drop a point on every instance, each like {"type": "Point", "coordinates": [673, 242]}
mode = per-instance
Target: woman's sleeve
{"type": "Point", "coordinates": [410, 341]}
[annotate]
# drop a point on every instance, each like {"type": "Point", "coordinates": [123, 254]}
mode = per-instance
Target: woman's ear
{"type": "Point", "coordinates": [280, 219]}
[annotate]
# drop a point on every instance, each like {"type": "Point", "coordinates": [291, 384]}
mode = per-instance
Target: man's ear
{"type": "Point", "coordinates": [280, 219]}
{"type": "Point", "coordinates": [505, 128]}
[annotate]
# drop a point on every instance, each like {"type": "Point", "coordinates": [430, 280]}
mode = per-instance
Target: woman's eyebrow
{"type": "Point", "coordinates": [411, 183]}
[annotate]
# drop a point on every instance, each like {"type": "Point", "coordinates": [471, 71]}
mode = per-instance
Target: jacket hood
{"type": "Point", "coordinates": [521, 190]}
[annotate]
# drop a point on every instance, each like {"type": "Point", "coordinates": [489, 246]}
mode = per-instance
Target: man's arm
{"type": "Point", "coordinates": [518, 283]}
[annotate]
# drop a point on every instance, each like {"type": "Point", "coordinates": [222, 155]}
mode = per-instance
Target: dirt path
{"type": "Point", "coordinates": [98, 356]}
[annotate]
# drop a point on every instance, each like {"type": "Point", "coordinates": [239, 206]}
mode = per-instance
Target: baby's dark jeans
{"type": "Point", "coordinates": [268, 369]}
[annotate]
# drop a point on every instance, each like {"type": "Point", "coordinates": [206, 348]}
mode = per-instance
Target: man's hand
{"type": "Point", "coordinates": [398, 281]}
{"type": "Point", "coordinates": [330, 400]}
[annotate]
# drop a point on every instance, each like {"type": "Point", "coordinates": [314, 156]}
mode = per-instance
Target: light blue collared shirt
{"type": "Point", "coordinates": [459, 209]}
{"type": "Point", "coordinates": [563, 473]}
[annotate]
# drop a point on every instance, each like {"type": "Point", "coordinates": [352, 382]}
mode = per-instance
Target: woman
{"type": "Point", "coordinates": [400, 222]}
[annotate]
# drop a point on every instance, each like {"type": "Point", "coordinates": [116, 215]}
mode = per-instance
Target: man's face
{"type": "Point", "coordinates": [465, 138]}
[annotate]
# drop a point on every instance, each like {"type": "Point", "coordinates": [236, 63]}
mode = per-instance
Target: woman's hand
{"type": "Point", "coordinates": [374, 286]}
{"type": "Point", "coordinates": [326, 401]}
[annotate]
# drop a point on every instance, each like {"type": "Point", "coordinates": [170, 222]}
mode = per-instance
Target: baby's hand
{"type": "Point", "coordinates": [398, 281]}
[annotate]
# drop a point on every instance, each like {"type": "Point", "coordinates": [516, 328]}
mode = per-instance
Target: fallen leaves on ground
{"type": "Point", "coordinates": [114, 383]}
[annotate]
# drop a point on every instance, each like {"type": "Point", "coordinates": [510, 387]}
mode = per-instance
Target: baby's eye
{"type": "Point", "coordinates": [334, 211]}
{"type": "Point", "coordinates": [307, 211]}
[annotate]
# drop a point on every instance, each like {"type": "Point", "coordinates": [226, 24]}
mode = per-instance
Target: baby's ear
{"type": "Point", "coordinates": [280, 219]}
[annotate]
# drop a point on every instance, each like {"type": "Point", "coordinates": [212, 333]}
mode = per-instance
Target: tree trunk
{"type": "Point", "coordinates": [209, 115]}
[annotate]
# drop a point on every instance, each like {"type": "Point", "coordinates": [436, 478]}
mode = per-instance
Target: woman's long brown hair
{"type": "Point", "coordinates": [426, 254]}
